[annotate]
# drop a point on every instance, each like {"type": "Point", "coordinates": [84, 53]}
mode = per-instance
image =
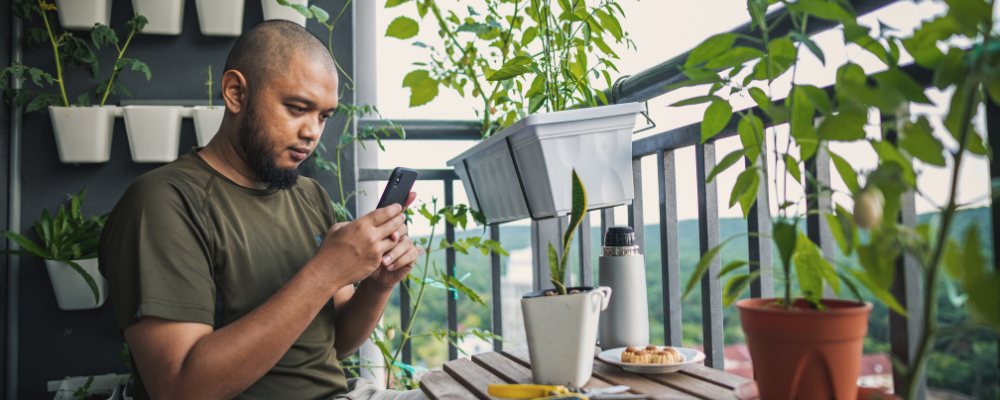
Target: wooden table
{"type": "Point", "coordinates": [469, 379]}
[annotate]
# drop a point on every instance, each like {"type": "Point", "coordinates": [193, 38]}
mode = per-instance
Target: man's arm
{"type": "Point", "coordinates": [182, 360]}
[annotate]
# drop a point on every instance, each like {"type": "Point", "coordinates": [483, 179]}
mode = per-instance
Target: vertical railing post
{"type": "Point", "coordinates": [607, 221]}
{"type": "Point", "coordinates": [670, 264]}
{"type": "Point", "coordinates": [903, 331]}
{"type": "Point", "coordinates": [449, 234]}
{"type": "Point", "coordinates": [759, 242]}
{"type": "Point", "coordinates": [818, 203]}
{"type": "Point", "coordinates": [711, 289]}
{"type": "Point", "coordinates": [542, 233]}
{"type": "Point", "coordinates": [404, 320]}
{"type": "Point", "coordinates": [993, 136]}
{"type": "Point", "coordinates": [496, 295]}
{"type": "Point", "coordinates": [635, 214]}
{"type": "Point", "coordinates": [586, 252]}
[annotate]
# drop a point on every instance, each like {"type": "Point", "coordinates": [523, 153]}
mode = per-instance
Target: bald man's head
{"type": "Point", "coordinates": [267, 49]}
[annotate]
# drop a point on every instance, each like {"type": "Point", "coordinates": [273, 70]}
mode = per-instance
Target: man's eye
{"type": "Point", "coordinates": [326, 117]}
{"type": "Point", "coordinates": [298, 109]}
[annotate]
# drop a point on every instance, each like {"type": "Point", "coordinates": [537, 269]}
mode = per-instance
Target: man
{"type": "Point", "coordinates": [229, 275]}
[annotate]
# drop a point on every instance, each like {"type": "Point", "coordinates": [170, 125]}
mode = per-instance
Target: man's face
{"type": "Point", "coordinates": [284, 120]}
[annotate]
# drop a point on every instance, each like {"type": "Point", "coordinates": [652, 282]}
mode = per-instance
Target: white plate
{"type": "Point", "coordinates": [614, 356]}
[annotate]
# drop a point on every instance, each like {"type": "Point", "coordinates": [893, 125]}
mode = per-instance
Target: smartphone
{"type": "Point", "coordinates": [398, 189]}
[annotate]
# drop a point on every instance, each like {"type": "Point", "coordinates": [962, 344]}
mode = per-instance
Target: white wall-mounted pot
{"type": "Point", "coordinates": [166, 17]}
{"type": "Point", "coordinates": [273, 10]}
{"type": "Point", "coordinates": [220, 17]}
{"type": "Point", "coordinates": [83, 14]}
{"type": "Point", "coordinates": [72, 290]}
{"type": "Point", "coordinates": [524, 171]}
{"type": "Point", "coordinates": [562, 333]}
{"type": "Point", "coordinates": [207, 121]}
{"type": "Point", "coordinates": [154, 132]}
{"type": "Point", "coordinates": [83, 134]}
{"type": "Point", "coordinates": [105, 386]}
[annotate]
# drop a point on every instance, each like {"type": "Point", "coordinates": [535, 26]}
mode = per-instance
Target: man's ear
{"type": "Point", "coordinates": [234, 91]}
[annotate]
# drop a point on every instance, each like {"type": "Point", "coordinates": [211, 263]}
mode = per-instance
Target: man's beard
{"type": "Point", "coordinates": [258, 152]}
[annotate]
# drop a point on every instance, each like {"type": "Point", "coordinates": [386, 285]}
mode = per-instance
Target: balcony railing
{"type": "Point", "coordinates": [644, 86]}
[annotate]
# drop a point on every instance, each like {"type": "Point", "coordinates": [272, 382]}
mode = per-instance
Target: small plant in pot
{"type": "Point", "coordinates": [561, 323]}
{"type": "Point", "coordinates": [804, 345]}
{"type": "Point", "coordinates": [83, 131]}
{"type": "Point", "coordinates": [69, 249]}
{"type": "Point", "coordinates": [207, 119]}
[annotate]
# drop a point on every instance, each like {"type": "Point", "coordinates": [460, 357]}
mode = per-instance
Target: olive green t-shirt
{"type": "Point", "coordinates": [185, 243]}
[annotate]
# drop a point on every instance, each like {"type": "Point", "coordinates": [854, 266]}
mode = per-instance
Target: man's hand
{"type": "Point", "coordinates": [398, 262]}
{"type": "Point", "coordinates": [355, 249]}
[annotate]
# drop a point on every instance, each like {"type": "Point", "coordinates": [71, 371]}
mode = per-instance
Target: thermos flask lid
{"type": "Point", "coordinates": [620, 241]}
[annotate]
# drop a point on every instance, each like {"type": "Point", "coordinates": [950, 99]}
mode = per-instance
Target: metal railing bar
{"type": "Point", "coordinates": [404, 319]}
{"type": "Point", "coordinates": [670, 264]}
{"type": "Point", "coordinates": [708, 232]}
{"type": "Point", "coordinates": [496, 295]}
{"type": "Point", "coordinates": [449, 254]}
{"type": "Point", "coordinates": [366, 174]}
{"type": "Point", "coordinates": [993, 136]}
{"type": "Point", "coordinates": [819, 203]}
{"type": "Point", "coordinates": [586, 251]}
{"type": "Point", "coordinates": [635, 210]}
{"type": "Point", "coordinates": [904, 332]}
{"type": "Point", "coordinates": [430, 129]}
{"type": "Point", "coordinates": [607, 221]}
{"type": "Point", "coordinates": [759, 221]}
{"type": "Point", "coordinates": [650, 83]}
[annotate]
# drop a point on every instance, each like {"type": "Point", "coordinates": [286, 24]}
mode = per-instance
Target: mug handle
{"type": "Point", "coordinates": [605, 295]}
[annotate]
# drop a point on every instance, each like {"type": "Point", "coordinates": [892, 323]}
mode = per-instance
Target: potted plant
{"type": "Point", "coordinates": [69, 248]}
{"type": "Point", "coordinates": [207, 120]}
{"type": "Point", "coordinates": [220, 17]}
{"type": "Point", "coordinates": [561, 323]}
{"type": "Point", "coordinates": [290, 10]}
{"type": "Point", "coordinates": [103, 387]}
{"type": "Point", "coordinates": [83, 14]}
{"type": "Point", "coordinates": [166, 17]}
{"type": "Point", "coordinates": [495, 53]}
{"type": "Point", "coordinates": [807, 346]}
{"type": "Point", "coordinates": [83, 132]}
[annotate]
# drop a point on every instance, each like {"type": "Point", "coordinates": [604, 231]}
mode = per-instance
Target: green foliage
{"type": "Point", "coordinates": [82, 392]}
{"type": "Point", "coordinates": [518, 56]}
{"type": "Point", "coordinates": [209, 85]}
{"type": "Point", "coordinates": [101, 34]}
{"type": "Point", "coordinates": [68, 238]}
{"type": "Point", "coordinates": [557, 265]}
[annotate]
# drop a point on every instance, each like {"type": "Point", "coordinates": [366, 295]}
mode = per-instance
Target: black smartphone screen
{"type": "Point", "coordinates": [398, 189]}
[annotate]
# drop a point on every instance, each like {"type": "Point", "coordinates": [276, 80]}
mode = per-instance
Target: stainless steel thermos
{"type": "Point", "coordinates": [623, 269]}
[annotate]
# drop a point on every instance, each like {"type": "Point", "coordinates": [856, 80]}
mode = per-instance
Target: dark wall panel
{"type": "Point", "coordinates": [54, 343]}
{"type": "Point", "coordinates": [5, 47]}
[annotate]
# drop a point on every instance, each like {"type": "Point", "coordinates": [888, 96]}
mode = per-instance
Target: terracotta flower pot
{"type": "Point", "coordinates": [802, 353]}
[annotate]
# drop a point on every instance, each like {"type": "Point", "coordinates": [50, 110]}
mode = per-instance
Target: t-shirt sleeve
{"type": "Point", "coordinates": [156, 254]}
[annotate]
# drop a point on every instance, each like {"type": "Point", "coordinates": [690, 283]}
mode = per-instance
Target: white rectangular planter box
{"type": "Point", "coordinates": [108, 384]}
{"type": "Point", "coordinates": [166, 17]}
{"type": "Point", "coordinates": [72, 291]}
{"type": "Point", "coordinates": [220, 17]}
{"type": "Point", "coordinates": [533, 160]}
{"type": "Point", "coordinates": [154, 132]}
{"type": "Point", "coordinates": [83, 134]}
{"type": "Point", "coordinates": [273, 10]}
{"type": "Point", "coordinates": [561, 333]}
{"type": "Point", "coordinates": [83, 14]}
{"type": "Point", "coordinates": [207, 122]}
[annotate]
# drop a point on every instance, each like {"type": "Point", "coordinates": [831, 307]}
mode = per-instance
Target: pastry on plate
{"type": "Point", "coordinates": [651, 355]}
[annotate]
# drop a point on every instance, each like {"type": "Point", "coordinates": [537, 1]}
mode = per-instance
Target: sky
{"type": "Point", "coordinates": [661, 30]}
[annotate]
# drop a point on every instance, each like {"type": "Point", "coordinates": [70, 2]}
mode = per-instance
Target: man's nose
{"type": "Point", "coordinates": [312, 130]}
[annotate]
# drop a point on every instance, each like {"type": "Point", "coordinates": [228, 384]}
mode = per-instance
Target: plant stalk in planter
{"type": "Point", "coordinates": [557, 264]}
{"type": "Point", "coordinates": [102, 34]}
{"type": "Point", "coordinates": [67, 238]}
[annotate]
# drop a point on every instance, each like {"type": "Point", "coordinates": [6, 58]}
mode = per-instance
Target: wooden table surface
{"type": "Point", "coordinates": [469, 379]}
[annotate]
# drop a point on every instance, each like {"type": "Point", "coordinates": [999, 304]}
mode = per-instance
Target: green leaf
{"type": "Point", "coordinates": [531, 33]}
{"type": "Point", "coordinates": [477, 28]}
{"type": "Point", "coordinates": [751, 130]}
{"type": "Point", "coordinates": [601, 44]}
{"type": "Point", "coordinates": [879, 292]}
{"type": "Point", "coordinates": [89, 279]}
{"type": "Point", "coordinates": [703, 264]}
{"type": "Point", "coordinates": [846, 172]}
{"type": "Point", "coordinates": [736, 285]}
{"type": "Point", "coordinates": [817, 97]}
{"type": "Point", "coordinates": [733, 57]}
{"type": "Point", "coordinates": [802, 120]}
{"type": "Point", "coordinates": [918, 140]}
{"type": "Point", "coordinates": [393, 3]}
{"type": "Point", "coordinates": [732, 266]}
{"type": "Point", "coordinates": [716, 118]}
{"type": "Point", "coordinates": [889, 154]}
{"type": "Point", "coordinates": [822, 9]}
{"type": "Point", "coordinates": [748, 198]}
{"type": "Point", "coordinates": [810, 45]}
{"type": "Point", "coordinates": [415, 77]}
{"type": "Point", "coordinates": [610, 23]}
{"type": "Point", "coordinates": [710, 48]}
{"type": "Point", "coordinates": [519, 60]}
{"type": "Point", "coordinates": [101, 34]}
{"type": "Point", "coordinates": [26, 244]}
{"type": "Point", "coordinates": [423, 92]}
{"type": "Point", "coordinates": [710, 78]}
{"type": "Point", "coordinates": [847, 126]}
{"type": "Point", "coordinates": [951, 70]}
{"type": "Point", "coordinates": [785, 235]}
{"type": "Point", "coordinates": [508, 72]}
{"type": "Point", "coordinates": [970, 14]}
{"type": "Point", "coordinates": [577, 213]}
{"type": "Point", "coordinates": [554, 264]}
{"type": "Point", "coordinates": [321, 15]}
{"type": "Point", "coordinates": [743, 184]}
{"type": "Point", "coordinates": [792, 166]}
{"type": "Point", "coordinates": [302, 10]}
{"type": "Point", "coordinates": [403, 28]}
{"type": "Point", "coordinates": [922, 45]}
{"type": "Point", "coordinates": [726, 162]}
{"type": "Point", "coordinates": [455, 283]}
{"type": "Point", "coordinates": [860, 35]}
{"type": "Point", "coordinates": [901, 83]}
{"type": "Point", "coordinates": [812, 269]}
{"type": "Point", "coordinates": [697, 100]}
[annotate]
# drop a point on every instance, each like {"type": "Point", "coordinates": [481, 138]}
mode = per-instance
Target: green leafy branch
{"type": "Point", "coordinates": [104, 35]}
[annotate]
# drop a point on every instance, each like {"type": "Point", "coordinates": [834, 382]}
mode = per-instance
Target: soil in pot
{"type": "Point", "coordinates": [99, 395]}
{"type": "Point", "coordinates": [803, 353]}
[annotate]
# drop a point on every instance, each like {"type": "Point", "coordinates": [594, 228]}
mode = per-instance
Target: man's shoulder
{"type": "Point", "coordinates": [179, 179]}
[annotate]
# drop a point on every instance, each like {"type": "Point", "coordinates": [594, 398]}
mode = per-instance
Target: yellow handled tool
{"type": "Point", "coordinates": [553, 392]}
